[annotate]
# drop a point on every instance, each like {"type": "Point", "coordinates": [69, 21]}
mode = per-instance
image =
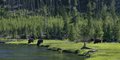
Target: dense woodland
{"type": "Point", "coordinates": [76, 20]}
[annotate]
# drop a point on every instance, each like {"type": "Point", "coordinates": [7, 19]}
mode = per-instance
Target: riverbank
{"type": "Point", "coordinates": [60, 46]}
{"type": "Point", "coordinates": [103, 51]}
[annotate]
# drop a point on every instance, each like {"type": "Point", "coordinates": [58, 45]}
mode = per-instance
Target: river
{"type": "Point", "coordinates": [31, 52]}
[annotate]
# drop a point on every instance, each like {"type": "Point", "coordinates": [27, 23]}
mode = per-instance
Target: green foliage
{"type": "Point", "coordinates": [74, 33]}
{"type": "Point", "coordinates": [62, 20]}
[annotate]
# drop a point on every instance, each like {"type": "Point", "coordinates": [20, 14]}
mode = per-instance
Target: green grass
{"type": "Point", "coordinates": [105, 51]}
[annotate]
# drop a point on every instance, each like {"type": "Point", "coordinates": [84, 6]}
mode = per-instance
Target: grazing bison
{"type": "Point", "coordinates": [40, 40]}
{"type": "Point", "coordinates": [31, 39]}
{"type": "Point", "coordinates": [2, 42]}
{"type": "Point", "coordinates": [96, 40]}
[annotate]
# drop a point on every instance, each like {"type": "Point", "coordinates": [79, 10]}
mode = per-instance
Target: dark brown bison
{"type": "Point", "coordinates": [96, 41]}
{"type": "Point", "coordinates": [40, 40]}
{"type": "Point", "coordinates": [30, 40]}
{"type": "Point", "coordinates": [2, 42]}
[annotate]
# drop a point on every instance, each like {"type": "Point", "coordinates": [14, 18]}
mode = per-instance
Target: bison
{"type": "Point", "coordinates": [96, 40]}
{"type": "Point", "coordinates": [40, 40]}
{"type": "Point", "coordinates": [2, 42]}
{"type": "Point", "coordinates": [30, 40]}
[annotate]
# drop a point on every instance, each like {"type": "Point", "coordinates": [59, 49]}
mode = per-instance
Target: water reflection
{"type": "Point", "coordinates": [30, 52]}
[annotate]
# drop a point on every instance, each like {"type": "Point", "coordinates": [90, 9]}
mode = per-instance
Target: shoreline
{"type": "Point", "coordinates": [101, 51]}
{"type": "Point", "coordinates": [79, 52]}
{"type": "Point", "coordinates": [82, 52]}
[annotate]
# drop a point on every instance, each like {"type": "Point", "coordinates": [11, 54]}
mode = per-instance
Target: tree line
{"type": "Point", "coordinates": [61, 19]}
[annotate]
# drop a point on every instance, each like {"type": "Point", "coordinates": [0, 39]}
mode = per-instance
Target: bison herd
{"type": "Point", "coordinates": [101, 41]}
{"type": "Point", "coordinates": [40, 40]}
{"type": "Point", "coordinates": [31, 39]}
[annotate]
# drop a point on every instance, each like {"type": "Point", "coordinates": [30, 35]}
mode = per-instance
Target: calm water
{"type": "Point", "coordinates": [29, 52]}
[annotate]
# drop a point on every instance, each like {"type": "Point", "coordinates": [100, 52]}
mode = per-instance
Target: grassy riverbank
{"type": "Point", "coordinates": [104, 51]}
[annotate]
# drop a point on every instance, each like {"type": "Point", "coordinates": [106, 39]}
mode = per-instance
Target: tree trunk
{"type": "Point", "coordinates": [85, 45]}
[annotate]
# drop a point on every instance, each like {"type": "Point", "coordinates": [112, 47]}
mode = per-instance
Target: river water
{"type": "Point", "coordinates": [31, 52]}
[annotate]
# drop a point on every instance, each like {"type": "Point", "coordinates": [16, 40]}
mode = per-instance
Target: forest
{"type": "Point", "coordinates": [59, 29]}
{"type": "Point", "coordinates": [76, 20]}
